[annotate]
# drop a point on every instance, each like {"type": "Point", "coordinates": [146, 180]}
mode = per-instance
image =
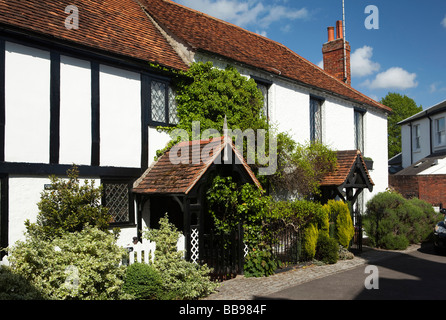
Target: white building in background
{"type": "Point", "coordinates": [423, 144]}
{"type": "Point", "coordinates": [89, 96]}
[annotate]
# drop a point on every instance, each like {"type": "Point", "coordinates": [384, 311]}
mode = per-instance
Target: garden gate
{"type": "Point", "coordinates": [223, 253]}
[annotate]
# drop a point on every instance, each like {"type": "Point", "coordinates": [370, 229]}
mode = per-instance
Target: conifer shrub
{"type": "Point", "coordinates": [340, 217]}
{"type": "Point", "coordinates": [309, 242]}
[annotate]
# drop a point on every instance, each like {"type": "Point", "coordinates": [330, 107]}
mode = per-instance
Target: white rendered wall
{"type": "Point", "coordinates": [27, 104]}
{"type": "Point", "coordinates": [290, 111]}
{"type": "Point", "coordinates": [405, 145]}
{"type": "Point", "coordinates": [24, 194]}
{"type": "Point", "coordinates": [338, 124]}
{"type": "Point", "coordinates": [157, 141]}
{"type": "Point", "coordinates": [75, 111]}
{"type": "Point", "coordinates": [120, 117]}
{"type": "Point", "coordinates": [375, 147]}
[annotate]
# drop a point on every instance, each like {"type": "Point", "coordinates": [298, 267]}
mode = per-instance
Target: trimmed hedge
{"type": "Point", "coordinates": [143, 282]}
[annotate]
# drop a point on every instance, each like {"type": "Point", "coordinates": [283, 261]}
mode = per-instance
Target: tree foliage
{"type": "Point", "coordinates": [402, 108]}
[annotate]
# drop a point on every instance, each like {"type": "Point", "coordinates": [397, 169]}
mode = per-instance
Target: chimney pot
{"type": "Point", "coordinates": [339, 31]}
{"type": "Point", "coordinates": [330, 33]}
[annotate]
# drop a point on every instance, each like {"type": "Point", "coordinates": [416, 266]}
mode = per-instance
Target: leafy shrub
{"type": "Point", "coordinates": [16, 287]}
{"type": "Point", "coordinates": [327, 248]}
{"type": "Point", "coordinates": [143, 282]}
{"type": "Point", "coordinates": [309, 242]}
{"type": "Point", "coordinates": [181, 279]}
{"type": "Point", "coordinates": [260, 263]}
{"type": "Point", "coordinates": [339, 215]}
{"type": "Point", "coordinates": [69, 206]}
{"type": "Point", "coordinates": [78, 265]}
{"type": "Point", "coordinates": [422, 225]}
{"type": "Point", "coordinates": [393, 222]}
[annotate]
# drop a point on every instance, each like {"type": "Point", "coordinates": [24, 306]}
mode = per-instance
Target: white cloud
{"type": "Point", "coordinates": [393, 78]}
{"type": "Point", "coordinates": [245, 13]}
{"type": "Point", "coordinates": [361, 63]}
{"type": "Point", "coordinates": [437, 87]}
{"type": "Point", "coordinates": [444, 22]}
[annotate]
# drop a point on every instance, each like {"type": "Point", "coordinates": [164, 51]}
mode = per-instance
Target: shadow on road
{"type": "Point", "coordinates": [414, 276]}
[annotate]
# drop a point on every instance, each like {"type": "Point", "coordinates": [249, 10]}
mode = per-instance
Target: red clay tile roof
{"type": "Point", "coordinates": [165, 177]}
{"type": "Point", "coordinates": [116, 26]}
{"type": "Point", "coordinates": [345, 162]}
{"type": "Point", "coordinates": [206, 33]}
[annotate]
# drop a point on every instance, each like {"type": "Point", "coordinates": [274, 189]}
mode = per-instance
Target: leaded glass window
{"type": "Point", "coordinates": [116, 199]}
{"type": "Point", "coordinates": [158, 95]}
{"type": "Point", "coordinates": [163, 106]}
{"type": "Point", "coordinates": [315, 120]}
{"type": "Point", "coordinates": [173, 116]}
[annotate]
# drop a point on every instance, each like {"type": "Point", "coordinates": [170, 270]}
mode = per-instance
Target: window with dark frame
{"type": "Point", "coordinates": [117, 198]}
{"type": "Point", "coordinates": [163, 108]}
{"type": "Point", "coordinates": [440, 132]}
{"type": "Point", "coordinates": [264, 89]}
{"type": "Point", "coordinates": [359, 130]}
{"type": "Point", "coordinates": [315, 119]}
{"type": "Point", "coordinates": [416, 137]}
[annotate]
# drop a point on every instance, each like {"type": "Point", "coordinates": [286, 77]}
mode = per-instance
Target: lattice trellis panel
{"type": "Point", "coordinates": [194, 244]}
{"type": "Point", "coordinates": [117, 201]}
{"type": "Point", "coordinates": [158, 101]}
{"type": "Point", "coordinates": [245, 250]}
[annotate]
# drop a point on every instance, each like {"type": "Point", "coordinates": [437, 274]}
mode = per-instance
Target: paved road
{"type": "Point", "coordinates": [419, 274]}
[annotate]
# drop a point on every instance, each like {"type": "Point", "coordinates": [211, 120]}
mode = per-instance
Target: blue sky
{"type": "Point", "coordinates": [406, 54]}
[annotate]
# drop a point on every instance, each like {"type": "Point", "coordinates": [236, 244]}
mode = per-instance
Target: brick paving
{"type": "Point", "coordinates": [241, 288]}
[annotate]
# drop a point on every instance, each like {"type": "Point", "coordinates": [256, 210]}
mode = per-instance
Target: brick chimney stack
{"type": "Point", "coordinates": [333, 54]}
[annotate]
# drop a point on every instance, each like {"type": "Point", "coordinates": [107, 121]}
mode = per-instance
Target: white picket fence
{"type": "Point", "coordinates": [145, 252]}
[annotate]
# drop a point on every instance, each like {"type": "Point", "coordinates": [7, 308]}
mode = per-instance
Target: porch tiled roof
{"type": "Point", "coordinates": [165, 177]}
{"type": "Point", "coordinates": [208, 34]}
{"type": "Point", "coordinates": [345, 162]}
{"type": "Point", "coordinates": [114, 26]}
